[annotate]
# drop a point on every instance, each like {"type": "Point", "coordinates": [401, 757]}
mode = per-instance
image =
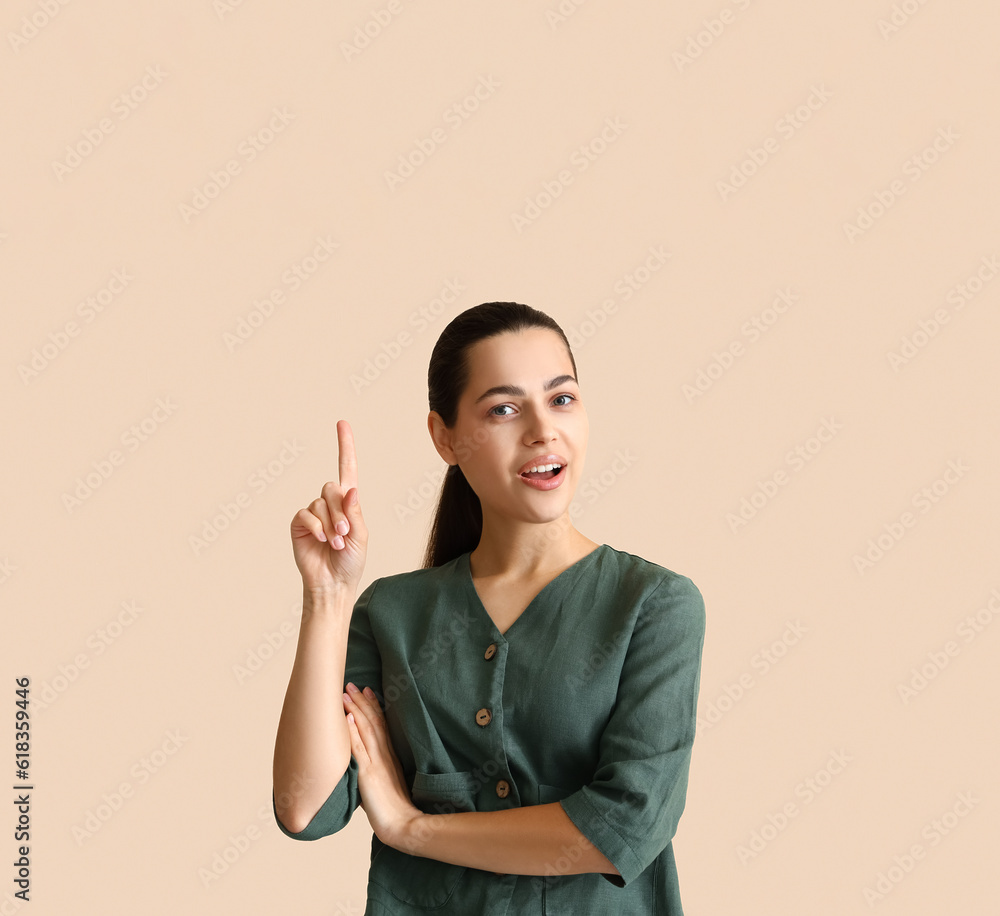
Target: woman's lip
{"type": "Point", "coordinates": [549, 484]}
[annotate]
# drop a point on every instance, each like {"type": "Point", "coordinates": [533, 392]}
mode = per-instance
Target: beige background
{"type": "Point", "coordinates": [161, 702]}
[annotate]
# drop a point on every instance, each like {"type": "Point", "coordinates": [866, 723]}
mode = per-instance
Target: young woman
{"type": "Point", "coordinates": [519, 713]}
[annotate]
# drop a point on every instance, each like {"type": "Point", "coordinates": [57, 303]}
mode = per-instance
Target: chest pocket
{"type": "Point", "coordinates": [417, 880]}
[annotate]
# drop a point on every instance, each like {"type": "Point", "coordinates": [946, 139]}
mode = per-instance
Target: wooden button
{"type": "Point", "coordinates": [503, 788]}
{"type": "Point", "coordinates": [483, 716]}
{"type": "Point", "coordinates": [491, 650]}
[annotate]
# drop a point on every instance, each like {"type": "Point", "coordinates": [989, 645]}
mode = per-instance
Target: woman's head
{"type": "Point", "coordinates": [486, 435]}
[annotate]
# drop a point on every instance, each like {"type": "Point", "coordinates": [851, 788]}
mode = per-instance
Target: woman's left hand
{"type": "Point", "coordinates": [381, 782]}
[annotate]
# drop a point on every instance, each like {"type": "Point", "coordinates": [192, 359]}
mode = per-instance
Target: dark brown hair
{"type": "Point", "coordinates": [458, 519]}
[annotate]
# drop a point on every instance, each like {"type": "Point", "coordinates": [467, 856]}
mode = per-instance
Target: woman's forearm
{"type": "Point", "coordinates": [312, 748]}
{"type": "Point", "coordinates": [532, 840]}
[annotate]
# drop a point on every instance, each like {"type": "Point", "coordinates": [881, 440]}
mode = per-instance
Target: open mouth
{"type": "Point", "coordinates": [544, 475]}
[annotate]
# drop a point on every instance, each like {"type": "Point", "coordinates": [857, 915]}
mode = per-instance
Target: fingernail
{"type": "Point", "coordinates": [368, 692]}
{"type": "Point", "coordinates": [346, 697]}
{"type": "Point", "coordinates": [341, 526]}
{"type": "Point", "coordinates": [351, 687]}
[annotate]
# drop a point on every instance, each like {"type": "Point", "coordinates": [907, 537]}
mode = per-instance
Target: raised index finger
{"type": "Point", "coordinates": [348, 458]}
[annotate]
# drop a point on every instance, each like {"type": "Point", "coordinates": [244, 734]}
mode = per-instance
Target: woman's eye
{"type": "Point", "coordinates": [494, 413]}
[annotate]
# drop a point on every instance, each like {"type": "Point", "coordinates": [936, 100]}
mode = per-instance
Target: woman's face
{"type": "Point", "coordinates": [498, 431]}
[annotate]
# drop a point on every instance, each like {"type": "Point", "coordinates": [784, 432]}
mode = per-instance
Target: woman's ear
{"type": "Point", "coordinates": [441, 437]}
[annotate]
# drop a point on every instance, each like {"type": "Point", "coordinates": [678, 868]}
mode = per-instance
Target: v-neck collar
{"type": "Point", "coordinates": [465, 570]}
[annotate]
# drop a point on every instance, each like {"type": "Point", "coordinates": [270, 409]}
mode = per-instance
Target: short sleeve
{"type": "Point", "coordinates": [363, 667]}
{"type": "Point", "coordinates": [631, 808]}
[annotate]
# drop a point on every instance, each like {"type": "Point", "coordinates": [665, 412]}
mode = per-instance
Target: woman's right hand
{"type": "Point", "coordinates": [329, 538]}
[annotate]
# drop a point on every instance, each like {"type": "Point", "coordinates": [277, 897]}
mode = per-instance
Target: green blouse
{"type": "Point", "coordinates": [588, 699]}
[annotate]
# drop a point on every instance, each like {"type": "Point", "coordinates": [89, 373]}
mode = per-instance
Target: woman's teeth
{"type": "Point", "coordinates": [544, 471]}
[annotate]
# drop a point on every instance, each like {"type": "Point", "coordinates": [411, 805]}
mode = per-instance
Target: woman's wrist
{"type": "Point", "coordinates": [327, 598]}
{"type": "Point", "coordinates": [412, 833]}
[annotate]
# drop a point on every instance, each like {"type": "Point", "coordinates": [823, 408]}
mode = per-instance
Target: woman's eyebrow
{"type": "Point", "coordinates": [517, 391]}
